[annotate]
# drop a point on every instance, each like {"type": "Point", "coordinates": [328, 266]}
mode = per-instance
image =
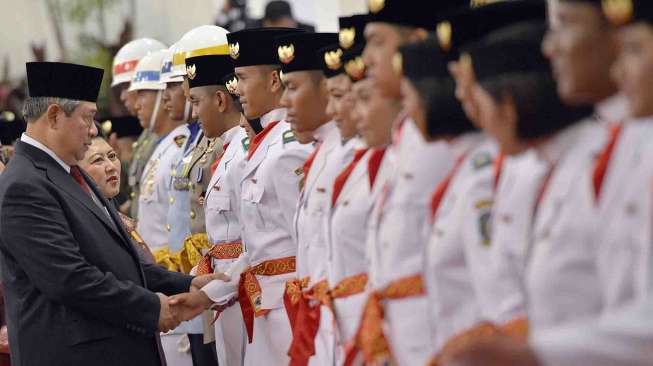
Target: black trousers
{"type": "Point", "coordinates": [203, 354]}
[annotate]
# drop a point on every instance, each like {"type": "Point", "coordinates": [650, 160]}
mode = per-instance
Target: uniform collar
{"type": "Point", "coordinates": [273, 115]}
{"type": "Point", "coordinates": [552, 150]}
{"type": "Point", "coordinates": [28, 140]}
{"type": "Point", "coordinates": [612, 109]}
{"type": "Point", "coordinates": [460, 145]}
{"type": "Point", "coordinates": [229, 134]}
{"type": "Point", "coordinates": [322, 132]}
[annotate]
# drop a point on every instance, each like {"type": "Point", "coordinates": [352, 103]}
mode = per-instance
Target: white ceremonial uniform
{"type": "Point", "coordinates": [511, 222]}
{"type": "Point", "coordinates": [561, 277]}
{"type": "Point", "coordinates": [153, 200]}
{"type": "Point", "coordinates": [346, 253]}
{"type": "Point", "coordinates": [152, 217]}
{"type": "Point", "coordinates": [458, 252]}
{"type": "Point", "coordinates": [624, 235]}
{"type": "Point", "coordinates": [311, 226]}
{"type": "Point", "coordinates": [223, 228]}
{"type": "Point", "coordinates": [401, 236]}
{"type": "Point", "coordinates": [270, 190]}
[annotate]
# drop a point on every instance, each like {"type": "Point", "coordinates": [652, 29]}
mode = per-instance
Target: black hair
{"type": "Point", "coordinates": [540, 112]}
{"type": "Point", "coordinates": [444, 114]}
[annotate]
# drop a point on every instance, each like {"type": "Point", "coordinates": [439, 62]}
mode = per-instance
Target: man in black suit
{"type": "Point", "coordinates": [76, 291]}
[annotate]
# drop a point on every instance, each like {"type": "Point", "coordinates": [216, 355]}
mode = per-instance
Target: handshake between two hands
{"type": "Point", "coordinates": [186, 306]}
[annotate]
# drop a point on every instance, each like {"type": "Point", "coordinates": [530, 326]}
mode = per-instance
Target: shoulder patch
{"type": "Point", "coordinates": [482, 160]}
{"type": "Point", "coordinates": [288, 136]}
{"type": "Point", "coordinates": [245, 142]}
{"type": "Point", "coordinates": [179, 140]}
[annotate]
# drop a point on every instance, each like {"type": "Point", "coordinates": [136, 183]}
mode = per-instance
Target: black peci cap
{"type": "Point", "coordinates": [422, 60]}
{"type": "Point", "coordinates": [208, 70]}
{"type": "Point", "coordinates": [471, 24]}
{"type": "Point", "coordinates": [411, 13]}
{"type": "Point", "coordinates": [352, 60]}
{"type": "Point", "coordinates": [512, 55]}
{"type": "Point", "coordinates": [252, 47]}
{"type": "Point", "coordinates": [298, 52]}
{"type": "Point", "coordinates": [622, 12]}
{"type": "Point", "coordinates": [63, 80]}
{"type": "Point", "coordinates": [331, 59]}
{"type": "Point", "coordinates": [352, 30]}
{"type": "Point", "coordinates": [123, 127]}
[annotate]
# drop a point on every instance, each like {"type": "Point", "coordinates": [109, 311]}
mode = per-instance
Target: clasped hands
{"type": "Point", "coordinates": [186, 306]}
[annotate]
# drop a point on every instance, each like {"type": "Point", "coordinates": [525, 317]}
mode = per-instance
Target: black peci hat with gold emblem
{"type": "Point", "coordinates": [252, 47]}
{"type": "Point", "coordinates": [352, 29]}
{"type": "Point", "coordinates": [298, 52]}
{"type": "Point", "coordinates": [622, 12]}
{"type": "Point", "coordinates": [352, 61]}
{"type": "Point", "coordinates": [411, 13]}
{"type": "Point", "coordinates": [208, 70]}
{"type": "Point", "coordinates": [331, 59]}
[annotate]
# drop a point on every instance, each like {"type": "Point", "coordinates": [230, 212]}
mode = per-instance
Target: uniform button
{"type": "Point", "coordinates": [168, 228]}
{"type": "Point", "coordinates": [190, 185]}
{"type": "Point", "coordinates": [132, 195]}
{"type": "Point", "coordinates": [173, 173]}
{"type": "Point", "coordinates": [192, 214]}
{"type": "Point", "coordinates": [171, 200]}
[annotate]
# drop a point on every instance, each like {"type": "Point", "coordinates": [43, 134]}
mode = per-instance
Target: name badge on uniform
{"type": "Point", "coordinates": [180, 183]}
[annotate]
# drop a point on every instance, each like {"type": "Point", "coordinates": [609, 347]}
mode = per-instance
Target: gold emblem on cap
{"type": "Point", "coordinates": [398, 63]}
{"type": "Point", "coordinates": [477, 3]}
{"type": "Point", "coordinates": [191, 71]}
{"type": "Point", "coordinates": [232, 86]}
{"type": "Point", "coordinates": [355, 68]}
{"type": "Point", "coordinates": [347, 36]}
{"type": "Point", "coordinates": [375, 6]}
{"type": "Point", "coordinates": [234, 50]}
{"type": "Point", "coordinates": [107, 126]}
{"type": "Point", "coordinates": [618, 12]}
{"type": "Point", "coordinates": [444, 32]}
{"type": "Point", "coordinates": [332, 59]}
{"type": "Point", "coordinates": [286, 53]}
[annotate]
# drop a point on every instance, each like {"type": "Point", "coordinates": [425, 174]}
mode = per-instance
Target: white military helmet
{"type": "Point", "coordinates": [166, 67]}
{"type": "Point", "coordinates": [201, 41]}
{"type": "Point", "coordinates": [147, 75]}
{"type": "Point", "coordinates": [128, 56]}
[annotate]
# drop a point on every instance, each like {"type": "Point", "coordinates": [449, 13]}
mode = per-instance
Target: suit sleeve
{"type": "Point", "coordinates": [51, 258]}
{"type": "Point", "coordinates": [161, 280]}
{"type": "Point", "coordinates": [286, 182]}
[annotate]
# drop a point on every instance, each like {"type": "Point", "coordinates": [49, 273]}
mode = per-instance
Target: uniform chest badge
{"type": "Point", "coordinates": [179, 140]}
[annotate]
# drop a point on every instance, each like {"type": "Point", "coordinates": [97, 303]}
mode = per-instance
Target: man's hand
{"type": "Point", "coordinates": [203, 280]}
{"type": "Point", "coordinates": [167, 318]}
{"type": "Point", "coordinates": [500, 351]}
{"type": "Point", "coordinates": [189, 305]}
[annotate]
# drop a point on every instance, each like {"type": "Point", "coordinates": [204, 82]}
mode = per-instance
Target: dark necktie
{"type": "Point", "coordinates": [77, 176]}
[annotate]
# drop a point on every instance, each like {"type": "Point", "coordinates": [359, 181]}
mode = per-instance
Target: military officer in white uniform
{"type": "Point", "coordinates": [155, 188]}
